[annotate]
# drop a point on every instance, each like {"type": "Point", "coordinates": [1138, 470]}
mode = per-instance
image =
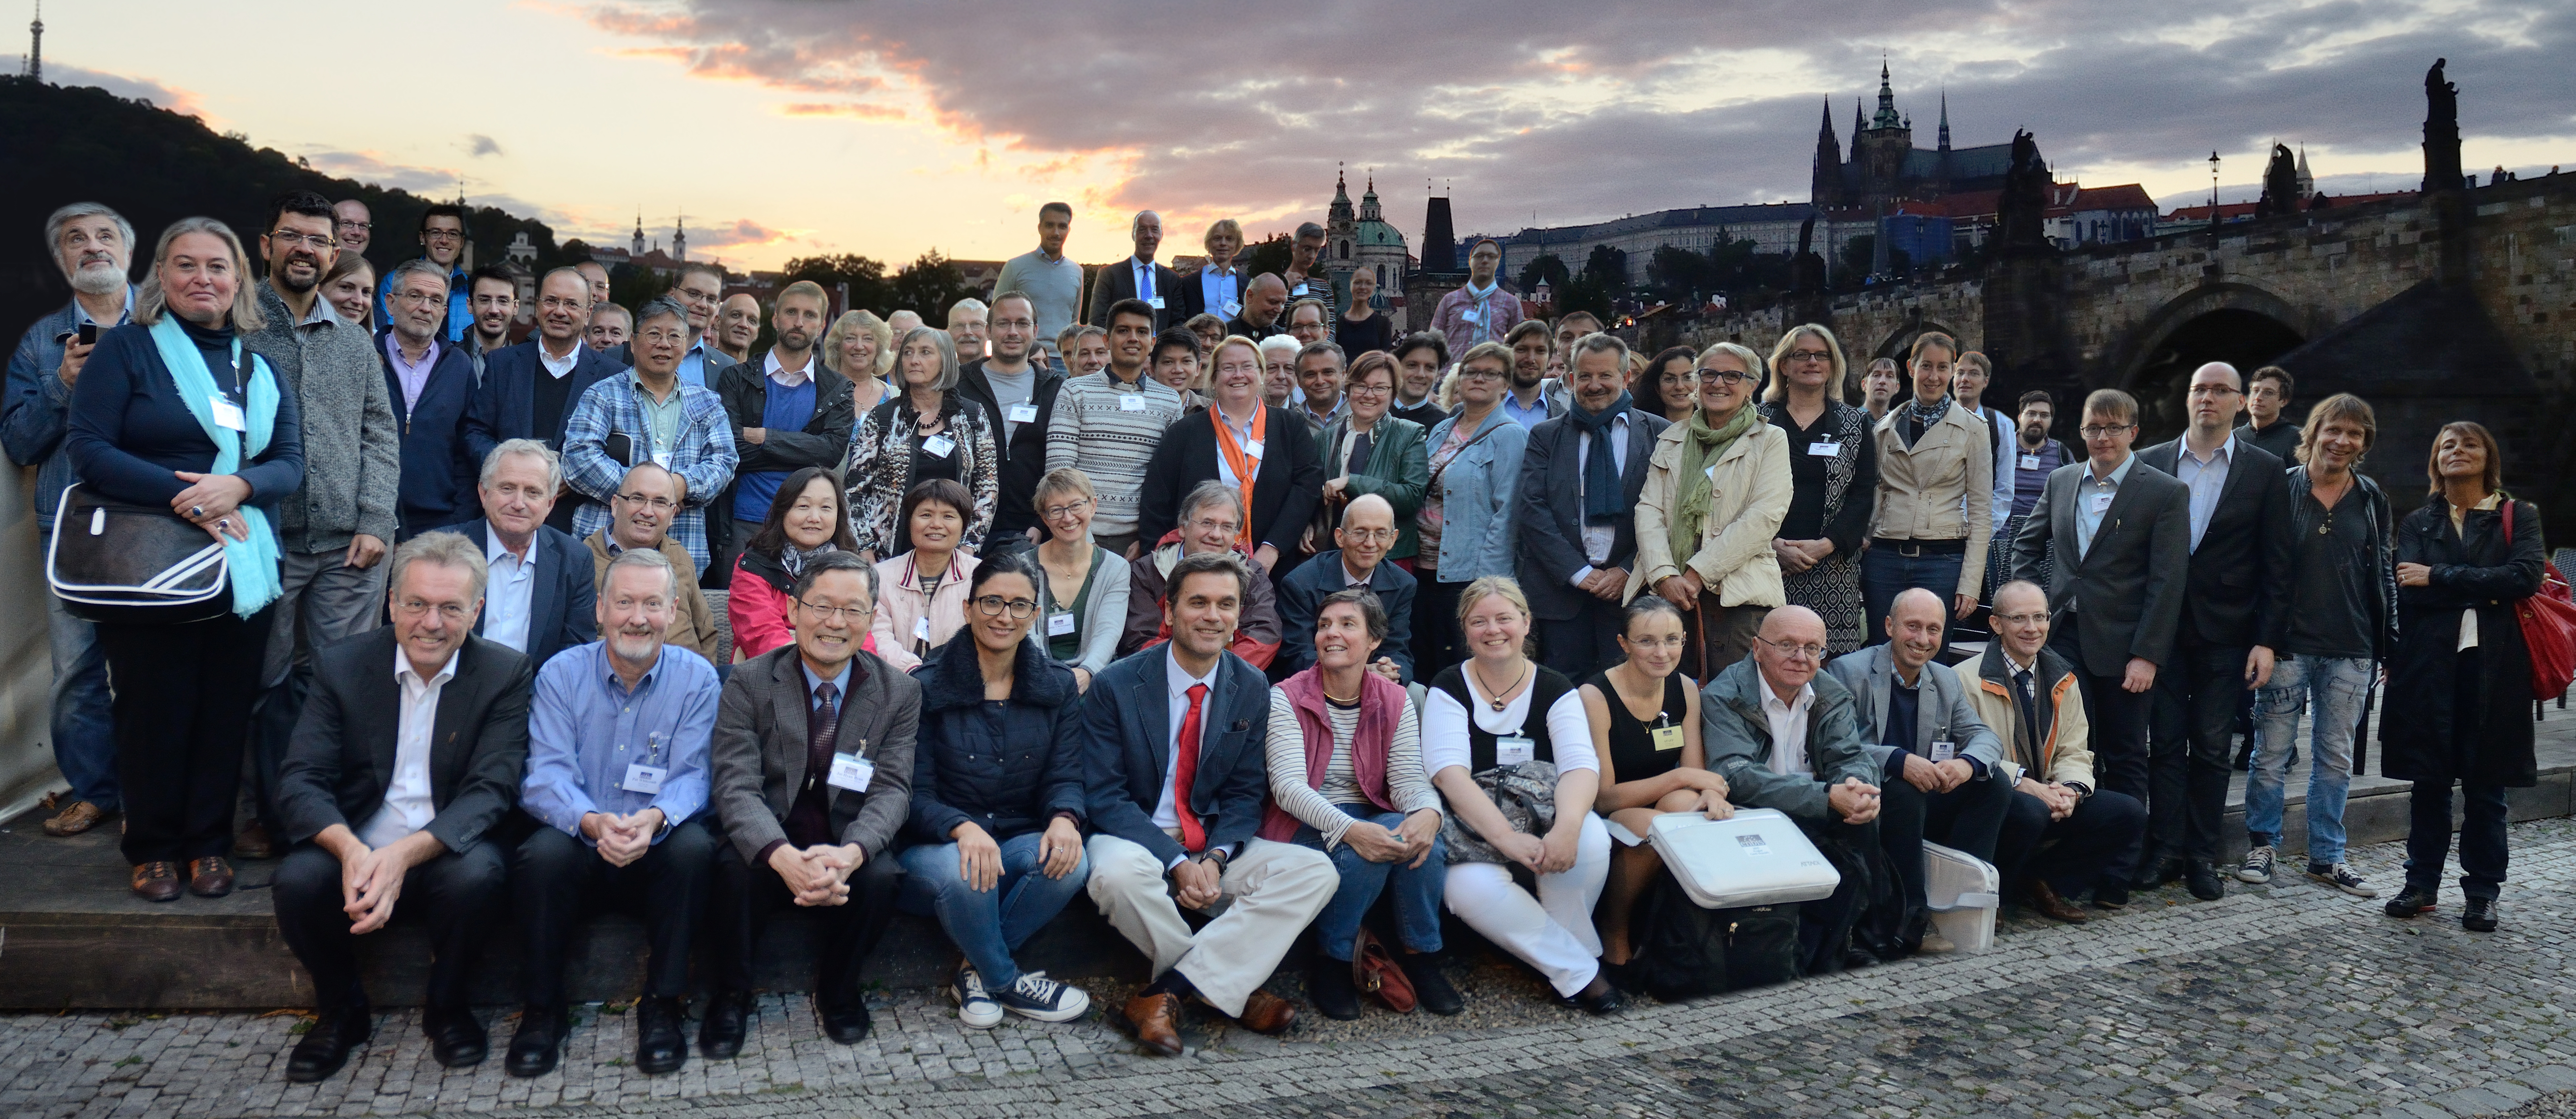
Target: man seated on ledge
{"type": "Point", "coordinates": [640, 520]}
{"type": "Point", "coordinates": [1367, 531]}
{"type": "Point", "coordinates": [406, 754]}
{"type": "Point", "coordinates": [1211, 522]}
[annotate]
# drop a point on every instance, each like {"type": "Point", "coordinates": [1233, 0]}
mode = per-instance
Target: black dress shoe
{"type": "Point", "coordinates": [455, 1038]}
{"type": "Point", "coordinates": [327, 1044]}
{"type": "Point", "coordinates": [2170, 868]}
{"type": "Point", "coordinates": [728, 1018]}
{"type": "Point", "coordinates": [2412, 902]}
{"type": "Point", "coordinates": [538, 1042]}
{"type": "Point", "coordinates": [2111, 895]}
{"type": "Point", "coordinates": [1329, 987]}
{"type": "Point", "coordinates": [1431, 987]}
{"type": "Point", "coordinates": [2479, 915]}
{"type": "Point", "coordinates": [1597, 999]}
{"type": "Point", "coordinates": [845, 1019]}
{"type": "Point", "coordinates": [2202, 880]}
{"type": "Point", "coordinates": [660, 1047]}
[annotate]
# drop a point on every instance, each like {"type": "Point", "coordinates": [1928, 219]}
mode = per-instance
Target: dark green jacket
{"type": "Point", "coordinates": [1399, 470]}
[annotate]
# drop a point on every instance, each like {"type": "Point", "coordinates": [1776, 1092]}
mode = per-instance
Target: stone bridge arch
{"type": "Point", "coordinates": [2239, 323]}
{"type": "Point", "coordinates": [1896, 343]}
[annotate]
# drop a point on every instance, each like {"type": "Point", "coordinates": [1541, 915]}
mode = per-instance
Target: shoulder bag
{"type": "Point", "coordinates": [2548, 621]}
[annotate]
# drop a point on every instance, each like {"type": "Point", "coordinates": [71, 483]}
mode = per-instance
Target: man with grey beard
{"type": "Point", "coordinates": [92, 245]}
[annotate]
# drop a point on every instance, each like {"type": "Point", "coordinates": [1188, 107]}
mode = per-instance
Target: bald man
{"type": "Point", "coordinates": [1138, 277]}
{"type": "Point", "coordinates": [736, 327]}
{"type": "Point", "coordinates": [1788, 738]}
{"type": "Point", "coordinates": [1359, 561]}
{"type": "Point", "coordinates": [1262, 301]}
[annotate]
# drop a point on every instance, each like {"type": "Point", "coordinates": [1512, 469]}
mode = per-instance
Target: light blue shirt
{"type": "Point", "coordinates": [1143, 270]}
{"type": "Point", "coordinates": [1531, 416]}
{"type": "Point", "coordinates": [1222, 289]}
{"type": "Point", "coordinates": [693, 366]}
{"type": "Point", "coordinates": [840, 686]}
{"type": "Point", "coordinates": [2093, 497]}
{"type": "Point", "coordinates": [2206, 479]}
{"type": "Point", "coordinates": [511, 588]}
{"type": "Point", "coordinates": [585, 729]}
{"type": "Point", "coordinates": [1242, 438]}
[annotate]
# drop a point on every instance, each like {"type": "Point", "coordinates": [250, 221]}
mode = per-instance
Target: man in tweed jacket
{"type": "Point", "coordinates": [650, 415]}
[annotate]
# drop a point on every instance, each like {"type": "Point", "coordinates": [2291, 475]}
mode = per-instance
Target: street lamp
{"type": "Point", "coordinates": [2213, 190]}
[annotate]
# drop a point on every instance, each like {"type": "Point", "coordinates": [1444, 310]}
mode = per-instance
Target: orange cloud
{"type": "Point", "coordinates": [831, 109]}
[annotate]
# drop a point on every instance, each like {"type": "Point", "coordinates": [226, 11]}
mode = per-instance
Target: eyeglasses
{"type": "Point", "coordinates": [2212, 390]}
{"type": "Point", "coordinates": [1227, 527]}
{"type": "Point", "coordinates": [443, 235]}
{"type": "Point", "coordinates": [657, 337]}
{"type": "Point", "coordinates": [1067, 509]}
{"type": "Point", "coordinates": [992, 605]}
{"type": "Point", "coordinates": [448, 612]}
{"type": "Point", "coordinates": [1793, 650]}
{"type": "Point", "coordinates": [288, 238]}
{"type": "Point", "coordinates": [856, 615]}
{"type": "Point", "coordinates": [656, 504]}
{"type": "Point", "coordinates": [2022, 619]}
{"type": "Point", "coordinates": [360, 226]}
{"type": "Point", "coordinates": [1369, 390]}
{"type": "Point", "coordinates": [1674, 641]}
{"type": "Point", "coordinates": [1825, 356]}
{"type": "Point", "coordinates": [1370, 535]}
{"type": "Point", "coordinates": [2098, 431]}
{"type": "Point", "coordinates": [421, 297]}
{"type": "Point", "coordinates": [1481, 373]}
{"type": "Point", "coordinates": [557, 302]}
{"type": "Point", "coordinates": [1730, 376]}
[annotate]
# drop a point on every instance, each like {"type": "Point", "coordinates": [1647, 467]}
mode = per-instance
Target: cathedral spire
{"type": "Point", "coordinates": [1825, 131]}
{"type": "Point", "coordinates": [1945, 120]}
{"type": "Point", "coordinates": [1886, 116]}
{"type": "Point", "coordinates": [1858, 121]}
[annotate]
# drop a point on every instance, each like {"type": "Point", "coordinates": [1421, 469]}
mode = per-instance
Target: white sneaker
{"type": "Point", "coordinates": [1038, 997]}
{"type": "Point", "coordinates": [975, 1006]}
{"type": "Point", "coordinates": [2258, 866]}
{"type": "Point", "coordinates": [2343, 877]}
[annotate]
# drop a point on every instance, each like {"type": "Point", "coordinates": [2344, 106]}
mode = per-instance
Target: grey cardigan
{"type": "Point", "coordinates": [759, 751]}
{"type": "Point", "coordinates": [1100, 623]}
{"type": "Point", "coordinates": [352, 446]}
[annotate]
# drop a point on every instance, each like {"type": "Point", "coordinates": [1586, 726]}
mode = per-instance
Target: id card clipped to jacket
{"type": "Point", "coordinates": [852, 772]}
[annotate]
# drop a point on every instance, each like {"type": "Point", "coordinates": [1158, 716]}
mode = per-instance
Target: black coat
{"type": "Point", "coordinates": [824, 441]}
{"type": "Point", "coordinates": [1547, 510]}
{"type": "Point", "coordinates": [2480, 572]}
{"type": "Point", "coordinates": [1007, 769]}
{"type": "Point", "coordinates": [2237, 594]}
{"type": "Point", "coordinates": [563, 606]}
{"type": "Point", "coordinates": [1022, 455]}
{"type": "Point", "coordinates": [1284, 490]}
{"type": "Point", "coordinates": [341, 758]}
{"type": "Point", "coordinates": [438, 472]}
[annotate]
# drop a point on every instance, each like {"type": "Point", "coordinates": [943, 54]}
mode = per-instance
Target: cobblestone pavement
{"type": "Point", "coordinates": [2291, 1000]}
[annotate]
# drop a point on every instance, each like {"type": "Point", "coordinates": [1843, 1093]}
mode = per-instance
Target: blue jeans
{"type": "Point", "coordinates": [1885, 575]}
{"type": "Point", "coordinates": [2336, 687]}
{"type": "Point", "coordinates": [989, 925]}
{"type": "Point", "coordinates": [84, 726]}
{"type": "Point", "coordinates": [1417, 890]}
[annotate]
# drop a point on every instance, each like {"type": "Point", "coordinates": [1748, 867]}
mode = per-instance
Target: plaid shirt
{"type": "Point", "coordinates": [703, 455]}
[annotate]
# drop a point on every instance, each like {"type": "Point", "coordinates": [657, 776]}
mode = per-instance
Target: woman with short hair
{"type": "Point", "coordinates": [860, 346]}
{"type": "Point", "coordinates": [1367, 451]}
{"type": "Point", "coordinates": [1220, 281]}
{"type": "Point", "coordinates": [1717, 485]}
{"type": "Point", "coordinates": [929, 432]}
{"type": "Point", "coordinates": [1082, 587]}
{"type": "Point", "coordinates": [1462, 532]}
{"type": "Point", "coordinates": [924, 597]}
{"type": "Point", "coordinates": [1833, 479]}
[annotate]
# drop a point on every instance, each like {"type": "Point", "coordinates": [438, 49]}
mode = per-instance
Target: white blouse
{"type": "Point", "coordinates": [1444, 727]}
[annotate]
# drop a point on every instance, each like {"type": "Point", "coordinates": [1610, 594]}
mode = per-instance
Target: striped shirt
{"type": "Point", "coordinates": [1284, 749]}
{"type": "Point", "coordinates": [1091, 432]}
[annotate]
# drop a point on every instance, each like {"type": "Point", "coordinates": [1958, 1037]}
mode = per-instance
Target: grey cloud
{"type": "Point", "coordinates": [479, 145]}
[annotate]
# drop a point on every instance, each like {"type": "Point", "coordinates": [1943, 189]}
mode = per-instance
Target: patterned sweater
{"type": "Point", "coordinates": [1095, 431]}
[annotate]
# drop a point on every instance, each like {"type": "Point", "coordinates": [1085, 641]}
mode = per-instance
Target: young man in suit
{"type": "Point", "coordinates": [528, 390]}
{"type": "Point", "coordinates": [408, 751]}
{"type": "Point", "coordinates": [1139, 278]}
{"type": "Point", "coordinates": [2121, 534]}
{"type": "Point", "coordinates": [540, 590]}
{"type": "Point", "coordinates": [813, 775]}
{"type": "Point", "coordinates": [1178, 783]}
{"type": "Point", "coordinates": [2234, 619]}
{"type": "Point", "coordinates": [1580, 478]}
{"type": "Point", "coordinates": [431, 386]}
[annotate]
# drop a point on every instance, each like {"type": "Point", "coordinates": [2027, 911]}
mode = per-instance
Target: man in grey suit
{"type": "Point", "coordinates": [2121, 531]}
{"type": "Point", "coordinates": [813, 775]}
{"type": "Point", "coordinates": [1580, 477]}
{"type": "Point", "coordinates": [1938, 763]}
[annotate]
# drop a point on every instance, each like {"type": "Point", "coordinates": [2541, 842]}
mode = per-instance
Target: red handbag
{"type": "Point", "coordinates": [2548, 626]}
{"type": "Point", "coordinates": [1375, 972]}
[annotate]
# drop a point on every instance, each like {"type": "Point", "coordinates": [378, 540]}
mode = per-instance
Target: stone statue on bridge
{"type": "Point", "coordinates": [2441, 130]}
{"type": "Point", "coordinates": [2023, 207]}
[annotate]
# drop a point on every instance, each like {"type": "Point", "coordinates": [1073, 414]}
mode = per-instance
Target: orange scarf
{"type": "Point", "coordinates": [1245, 466]}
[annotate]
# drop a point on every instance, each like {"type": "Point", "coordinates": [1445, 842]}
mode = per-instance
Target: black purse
{"type": "Point", "coordinates": [134, 564]}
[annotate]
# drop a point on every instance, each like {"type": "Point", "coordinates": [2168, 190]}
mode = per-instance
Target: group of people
{"type": "Point", "coordinates": [1232, 627]}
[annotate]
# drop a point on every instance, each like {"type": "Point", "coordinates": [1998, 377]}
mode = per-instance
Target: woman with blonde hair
{"type": "Point", "coordinates": [1833, 480]}
{"type": "Point", "coordinates": [1462, 531]}
{"type": "Point", "coordinates": [1082, 587]}
{"type": "Point", "coordinates": [1217, 288]}
{"type": "Point", "coordinates": [1936, 480]}
{"type": "Point", "coordinates": [860, 346]}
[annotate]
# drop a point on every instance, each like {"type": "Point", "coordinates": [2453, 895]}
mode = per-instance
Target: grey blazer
{"type": "Point", "coordinates": [1944, 713]}
{"type": "Point", "coordinates": [2126, 593]}
{"type": "Point", "coordinates": [1548, 510]}
{"type": "Point", "coordinates": [759, 751]}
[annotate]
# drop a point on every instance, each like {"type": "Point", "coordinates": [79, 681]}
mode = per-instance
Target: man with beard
{"type": "Point", "coordinates": [966, 327]}
{"type": "Point", "coordinates": [737, 326]}
{"type": "Point", "coordinates": [92, 245]}
{"type": "Point", "coordinates": [642, 510]}
{"type": "Point", "coordinates": [1051, 280]}
{"type": "Point", "coordinates": [333, 531]}
{"type": "Point", "coordinates": [1262, 300]}
{"type": "Point", "coordinates": [788, 412]}
{"type": "Point", "coordinates": [1533, 398]}
{"type": "Point", "coordinates": [492, 298]}
{"type": "Point", "coordinates": [528, 390]}
{"type": "Point", "coordinates": [1018, 386]}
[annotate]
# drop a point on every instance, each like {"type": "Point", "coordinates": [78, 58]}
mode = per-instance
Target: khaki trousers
{"type": "Point", "coordinates": [1272, 891]}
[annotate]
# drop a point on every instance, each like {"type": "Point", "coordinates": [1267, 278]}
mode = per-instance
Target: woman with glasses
{"type": "Point", "coordinates": [1082, 587]}
{"type": "Point", "coordinates": [1716, 487]}
{"type": "Point", "coordinates": [1666, 384]}
{"type": "Point", "coordinates": [1645, 728]}
{"type": "Point", "coordinates": [1463, 530]}
{"type": "Point", "coordinates": [929, 433]}
{"type": "Point", "coordinates": [1506, 742]}
{"type": "Point", "coordinates": [1367, 451]}
{"type": "Point", "coordinates": [924, 600]}
{"type": "Point", "coordinates": [1833, 482]}
{"type": "Point", "coordinates": [805, 520]}
{"type": "Point", "coordinates": [995, 834]}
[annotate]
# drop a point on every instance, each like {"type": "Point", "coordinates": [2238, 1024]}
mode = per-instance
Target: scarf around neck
{"type": "Point", "coordinates": [1602, 500]}
{"type": "Point", "coordinates": [794, 558]}
{"type": "Point", "coordinates": [1702, 446]}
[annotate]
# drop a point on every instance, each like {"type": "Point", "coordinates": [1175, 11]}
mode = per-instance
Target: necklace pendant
{"type": "Point", "coordinates": [2323, 528]}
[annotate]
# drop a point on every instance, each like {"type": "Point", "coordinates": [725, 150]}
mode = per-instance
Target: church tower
{"type": "Point", "coordinates": [1825, 183]}
{"type": "Point", "coordinates": [1880, 149]}
{"type": "Point", "coordinates": [1341, 226]}
{"type": "Point", "coordinates": [638, 249]}
{"type": "Point", "coordinates": [680, 238]}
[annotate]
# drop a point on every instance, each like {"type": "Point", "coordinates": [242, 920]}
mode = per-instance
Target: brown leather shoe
{"type": "Point", "coordinates": [1266, 1013]}
{"type": "Point", "coordinates": [77, 817]}
{"type": "Point", "coordinates": [210, 878]}
{"type": "Point", "coordinates": [253, 843]}
{"type": "Point", "coordinates": [1157, 1022]}
{"type": "Point", "coordinates": [2055, 908]}
{"type": "Point", "coordinates": [156, 881]}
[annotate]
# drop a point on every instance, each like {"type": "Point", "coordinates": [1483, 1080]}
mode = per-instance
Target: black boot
{"type": "Point", "coordinates": [1329, 987]}
{"type": "Point", "coordinates": [455, 1038]}
{"type": "Point", "coordinates": [728, 1018]}
{"type": "Point", "coordinates": [1430, 985]}
{"type": "Point", "coordinates": [538, 1042]}
{"type": "Point", "coordinates": [2479, 915]}
{"type": "Point", "coordinates": [659, 1045]}
{"type": "Point", "coordinates": [845, 1016]}
{"type": "Point", "coordinates": [326, 1046]}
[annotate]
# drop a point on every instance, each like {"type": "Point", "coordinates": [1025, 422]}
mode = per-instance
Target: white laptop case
{"type": "Point", "coordinates": [1758, 857]}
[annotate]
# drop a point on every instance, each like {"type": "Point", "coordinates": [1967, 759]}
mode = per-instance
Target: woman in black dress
{"type": "Point", "coordinates": [1645, 727]}
{"type": "Point", "coordinates": [1834, 463]}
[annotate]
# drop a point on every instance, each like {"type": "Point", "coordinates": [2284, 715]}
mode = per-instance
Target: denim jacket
{"type": "Point", "coordinates": [37, 407]}
{"type": "Point", "coordinates": [1475, 491]}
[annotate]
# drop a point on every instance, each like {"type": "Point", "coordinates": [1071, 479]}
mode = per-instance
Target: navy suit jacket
{"type": "Point", "coordinates": [438, 473]}
{"type": "Point", "coordinates": [1548, 510]}
{"type": "Point", "coordinates": [1127, 747]}
{"type": "Point", "coordinates": [563, 606]}
{"type": "Point", "coordinates": [1301, 597]}
{"type": "Point", "coordinates": [505, 406]}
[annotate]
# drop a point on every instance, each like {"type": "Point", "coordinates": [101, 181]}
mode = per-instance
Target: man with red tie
{"type": "Point", "coordinates": [1178, 786]}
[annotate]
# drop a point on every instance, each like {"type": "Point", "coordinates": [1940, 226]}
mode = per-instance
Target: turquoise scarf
{"type": "Point", "coordinates": [250, 564]}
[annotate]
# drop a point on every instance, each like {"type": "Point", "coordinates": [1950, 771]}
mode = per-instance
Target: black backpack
{"type": "Point", "coordinates": [1687, 951]}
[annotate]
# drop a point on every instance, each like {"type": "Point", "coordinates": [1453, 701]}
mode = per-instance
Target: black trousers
{"type": "Point", "coordinates": [1583, 644]}
{"type": "Point", "coordinates": [1825, 926]}
{"type": "Point", "coordinates": [2483, 856]}
{"type": "Point", "coordinates": [746, 895]}
{"type": "Point", "coordinates": [2193, 745]}
{"type": "Point", "coordinates": [1968, 818]}
{"type": "Point", "coordinates": [555, 879]}
{"type": "Point", "coordinates": [2096, 843]}
{"type": "Point", "coordinates": [1435, 626]}
{"type": "Point", "coordinates": [2117, 718]}
{"type": "Point", "coordinates": [183, 697]}
{"type": "Point", "coordinates": [457, 895]}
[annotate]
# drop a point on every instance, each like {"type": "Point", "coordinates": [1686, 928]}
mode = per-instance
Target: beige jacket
{"type": "Point", "coordinates": [1749, 491]}
{"type": "Point", "coordinates": [1922, 489]}
{"type": "Point", "coordinates": [2065, 747]}
{"type": "Point", "coordinates": [695, 628]}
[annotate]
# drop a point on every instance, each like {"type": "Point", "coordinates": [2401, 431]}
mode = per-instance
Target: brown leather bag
{"type": "Point", "coordinates": [1374, 972]}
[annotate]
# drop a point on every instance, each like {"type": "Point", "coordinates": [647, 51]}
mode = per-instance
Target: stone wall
{"type": "Point", "coordinates": [2522, 264]}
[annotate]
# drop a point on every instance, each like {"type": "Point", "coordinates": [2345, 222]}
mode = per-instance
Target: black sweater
{"type": "Point", "coordinates": [129, 432]}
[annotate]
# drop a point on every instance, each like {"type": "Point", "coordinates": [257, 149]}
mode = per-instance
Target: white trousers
{"type": "Point", "coordinates": [1272, 891]}
{"type": "Point", "coordinates": [1551, 932]}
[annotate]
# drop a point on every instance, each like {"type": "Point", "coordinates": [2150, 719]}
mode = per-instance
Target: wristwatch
{"type": "Point", "coordinates": [1216, 854]}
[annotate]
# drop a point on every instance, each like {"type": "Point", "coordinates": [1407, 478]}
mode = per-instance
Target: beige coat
{"type": "Point", "coordinates": [2065, 746]}
{"type": "Point", "coordinates": [1923, 491]}
{"type": "Point", "coordinates": [1749, 493]}
{"type": "Point", "coordinates": [695, 628]}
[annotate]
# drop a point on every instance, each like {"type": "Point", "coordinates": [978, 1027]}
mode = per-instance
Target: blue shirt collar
{"type": "Point", "coordinates": [840, 683]}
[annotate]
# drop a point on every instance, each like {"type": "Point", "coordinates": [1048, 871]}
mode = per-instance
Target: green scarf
{"type": "Point", "coordinates": [1701, 446]}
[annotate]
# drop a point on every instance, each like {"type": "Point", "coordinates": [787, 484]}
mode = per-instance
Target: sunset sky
{"type": "Point", "coordinates": [787, 127]}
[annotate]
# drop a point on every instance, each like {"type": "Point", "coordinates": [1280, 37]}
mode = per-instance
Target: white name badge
{"type": "Point", "coordinates": [2100, 502]}
{"type": "Point", "coordinates": [1824, 448]}
{"type": "Point", "coordinates": [662, 459]}
{"type": "Point", "coordinates": [2030, 462]}
{"type": "Point", "coordinates": [226, 413]}
{"type": "Point", "coordinates": [1132, 402]}
{"type": "Point", "coordinates": [1299, 290]}
{"type": "Point", "coordinates": [938, 445]}
{"type": "Point", "coordinates": [1022, 414]}
{"type": "Point", "coordinates": [852, 772]}
{"type": "Point", "coordinates": [1944, 750]}
{"type": "Point", "coordinates": [1233, 309]}
{"type": "Point", "coordinates": [646, 779]}
{"type": "Point", "coordinates": [1472, 315]}
{"type": "Point", "coordinates": [1059, 625]}
{"type": "Point", "coordinates": [1252, 448]}
{"type": "Point", "coordinates": [1667, 738]}
{"type": "Point", "coordinates": [1156, 302]}
{"type": "Point", "coordinates": [921, 629]}
{"type": "Point", "coordinates": [1514, 750]}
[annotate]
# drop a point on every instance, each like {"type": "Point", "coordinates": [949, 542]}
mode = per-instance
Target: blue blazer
{"type": "Point", "coordinates": [1549, 519]}
{"type": "Point", "coordinates": [505, 405]}
{"type": "Point", "coordinates": [1127, 747]}
{"type": "Point", "coordinates": [1301, 597]}
{"type": "Point", "coordinates": [563, 606]}
{"type": "Point", "coordinates": [438, 474]}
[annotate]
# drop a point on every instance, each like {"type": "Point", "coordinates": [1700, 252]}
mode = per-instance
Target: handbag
{"type": "Point", "coordinates": [133, 564]}
{"type": "Point", "coordinates": [2548, 619]}
{"type": "Point", "coordinates": [1375, 973]}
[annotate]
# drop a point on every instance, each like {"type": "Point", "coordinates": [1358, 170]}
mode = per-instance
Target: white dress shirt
{"type": "Point", "coordinates": [509, 598]}
{"type": "Point", "coordinates": [1597, 539]}
{"type": "Point", "coordinates": [407, 806]}
{"type": "Point", "coordinates": [1143, 270]}
{"type": "Point", "coordinates": [787, 378]}
{"type": "Point", "coordinates": [1179, 680]}
{"type": "Point", "coordinates": [1445, 741]}
{"type": "Point", "coordinates": [559, 367]}
{"type": "Point", "coordinates": [1789, 729]}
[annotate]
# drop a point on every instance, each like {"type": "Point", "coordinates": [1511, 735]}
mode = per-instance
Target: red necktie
{"type": "Point", "coordinates": [1185, 774]}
